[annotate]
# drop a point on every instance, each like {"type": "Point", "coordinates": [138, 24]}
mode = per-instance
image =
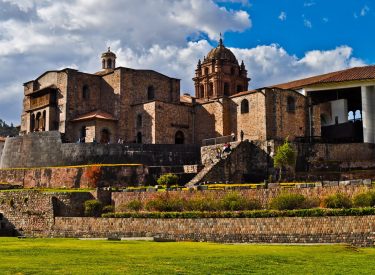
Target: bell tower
{"type": "Point", "coordinates": [108, 60]}
{"type": "Point", "coordinates": [220, 74]}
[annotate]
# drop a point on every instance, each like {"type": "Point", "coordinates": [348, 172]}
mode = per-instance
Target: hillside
{"type": "Point", "coordinates": [7, 130]}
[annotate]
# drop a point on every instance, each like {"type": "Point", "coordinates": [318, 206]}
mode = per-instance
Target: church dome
{"type": "Point", "coordinates": [222, 53]}
{"type": "Point", "coordinates": [108, 53]}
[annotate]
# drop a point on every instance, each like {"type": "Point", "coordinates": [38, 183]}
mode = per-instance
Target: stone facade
{"type": "Point", "coordinates": [144, 106]}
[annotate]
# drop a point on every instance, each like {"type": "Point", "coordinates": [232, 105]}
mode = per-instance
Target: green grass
{"type": "Point", "coordinates": [69, 256]}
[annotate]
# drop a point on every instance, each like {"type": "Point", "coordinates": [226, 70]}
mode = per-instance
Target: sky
{"type": "Point", "coordinates": [278, 40]}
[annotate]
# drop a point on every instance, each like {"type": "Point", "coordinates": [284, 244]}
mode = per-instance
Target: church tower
{"type": "Point", "coordinates": [108, 60]}
{"type": "Point", "coordinates": [220, 74]}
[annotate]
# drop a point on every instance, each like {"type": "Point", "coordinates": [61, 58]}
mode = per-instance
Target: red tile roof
{"type": "Point", "coordinates": [98, 114]}
{"type": "Point", "coordinates": [356, 73]}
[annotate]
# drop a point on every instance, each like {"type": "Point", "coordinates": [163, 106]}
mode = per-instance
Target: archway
{"type": "Point", "coordinates": [139, 137]}
{"type": "Point", "coordinates": [105, 136]}
{"type": "Point", "coordinates": [179, 138]}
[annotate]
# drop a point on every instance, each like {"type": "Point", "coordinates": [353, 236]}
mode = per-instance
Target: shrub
{"type": "Point", "coordinates": [288, 202]}
{"type": "Point", "coordinates": [108, 209]}
{"type": "Point", "coordinates": [168, 179]}
{"type": "Point", "coordinates": [233, 201]}
{"type": "Point", "coordinates": [165, 203]}
{"type": "Point", "coordinates": [93, 208]}
{"type": "Point", "coordinates": [202, 203]}
{"type": "Point", "coordinates": [134, 205]}
{"type": "Point", "coordinates": [338, 200]}
{"type": "Point", "coordinates": [364, 199]}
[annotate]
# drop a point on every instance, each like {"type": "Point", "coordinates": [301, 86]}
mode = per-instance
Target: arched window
{"type": "Point", "coordinates": [206, 71]}
{"type": "Point", "coordinates": [139, 120]}
{"type": "Point", "coordinates": [239, 88]}
{"type": "Point", "coordinates": [244, 106]}
{"type": "Point", "coordinates": [150, 93]}
{"type": "Point", "coordinates": [358, 115]}
{"type": "Point", "coordinates": [43, 121]}
{"type": "Point", "coordinates": [37, 121]}
{"type": "Point", "coordinates": [226, 89]}
{"type": "Point", "coordinates": [85, 92]}
{"type": "Point", "coordinates": [201, 91]}
{"type": "Point", "coordinates": [210, 89]}
{"type": "Point", "coordinates": [32, 123]}
{"type": "Point", "coordinates": [105, 136]}
{"type": "Point", "coordinates": [103, 64]}
{"type": "Point", "coordinates": [139, 137]}
{"type": "Point", "coordinates": [109, 63]}
{"type": "Point", "coordinates": [82, 134]}
{"type": "Point", "coordinates": [323, 120]}
{"type": "Point", "coordinates": [291, 104]}
{"type": "Point", "coordinates": [179, 138]}
{"type": "Point", "coordinates": [351, 115]}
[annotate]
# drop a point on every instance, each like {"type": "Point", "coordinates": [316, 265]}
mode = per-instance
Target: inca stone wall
{"type": "Point", "coordinates": [353, 230]}
{"type": "Point", "coordinates": [263, 195]}
{"type": "Point", "coordinates": [44, 149]}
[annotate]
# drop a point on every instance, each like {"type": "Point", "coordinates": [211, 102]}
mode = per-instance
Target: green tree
{"type": "Point", "coordinates": [168, 179]}
{"type": "Point", "coordinates": [285, 157]}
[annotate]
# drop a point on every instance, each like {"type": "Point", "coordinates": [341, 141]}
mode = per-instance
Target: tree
{"type": "Point", "coordinates": [168, 179]}
{"type": "Point", "coordinates": [285, 157]}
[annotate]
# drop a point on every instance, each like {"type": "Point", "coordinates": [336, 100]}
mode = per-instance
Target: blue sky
{"type": "Point", "coordinates": [309, 25]}
{"type": "Point", "coordinates": [278, 40]}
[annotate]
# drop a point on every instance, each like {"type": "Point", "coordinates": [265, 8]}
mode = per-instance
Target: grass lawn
{"type": "Point", "coordinates": [70, 256]}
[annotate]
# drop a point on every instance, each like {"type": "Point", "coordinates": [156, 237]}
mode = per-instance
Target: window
{"type": "Point", "coordinates": [109, 63]}
{"type": "Point", "coordinates": [179, 137]}
{"type": "Point", "coordinates": [336, 120]}
{"type": "Point", "coordinates": [244, 106]}
{"type": "Point", "coordinates": [239, 88]}
{"type": "Point", "coordinates": [103, 64]}
{"type": "Point", "coordinates": [291, 104]}
{"type": "Point", "coordinates": [139, 137]}
{"type": "Point", "coordinates": [32, 123]}
{"type": "Point", "coordinates": [150, 93]}
{"type": "Point", "coordinates": [226, 89]}
{"type": "Point", "coordinates": [139, 120]}
{"type": "Point", "coordinates": [210, 89]}
{"type": "Point", "coordinates": [105, 136]}
{"type": "Point", "coordinates": [85, 92]}
{"type": "Point", "coordinates": [206, 71]}
{"type": "Point", "coordinates": [201, 91]}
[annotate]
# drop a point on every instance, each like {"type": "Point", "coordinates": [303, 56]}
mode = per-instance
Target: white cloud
{"type": "Point", "coordinates": [307, 23]}
{"type": "Point", "coordinates": [23, 5]}
{"type": "Point", "coordinates": [282, 16]}
{"type": "Point", "coordinates": [309, 4]}
{"type": "Point", "coordinates": [364, 10]}
{"type": "Point", "coordinates": [325, 19]}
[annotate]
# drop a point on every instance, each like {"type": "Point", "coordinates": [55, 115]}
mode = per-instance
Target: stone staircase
{"type": "Point", "coordinates": [214, 163]}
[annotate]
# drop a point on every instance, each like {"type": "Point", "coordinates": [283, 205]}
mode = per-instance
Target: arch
{"type": "Point", "coordinates": [109, 63]}
{"type": "Point", "coordinates": [85, 92]}
{"type": "Point", "coordinates": [139, 120]}
{"type": "Point", "coordinates": [239, 88]}
{"type": "Point", "coordinates": [37, 121]}
{"type": "Point", "coordinates": [201, 91]}
{"type": "Point", "coordinates": [226, 89]}
{"type": "Point", "coordinates": [210, 89]}
{"type": "Point", "coordinates": [244, 106]}
{"type": "Point", "coordinates": [206, 71]}
{"type": "Point", "coordinates": [291, 104]}
{"type": "Point", "coordinates": [179, 138]}
{"type": "Point", "coordinates": [357, 115]}
{"type": "Point", "coordinates": [103, 64]}
{"type": "Point", "coordinates": [105, 136]}
{"type": "Point", "coordinates": [32, 123]}
{"type": "Point", "coordinates": [139, 137]}
{"type": "Point", "coordinates": [150, 92]}
{"type": "Point", "coordinates": [351, 115]}
{"type": "Point", "coordinates": [43, 120]}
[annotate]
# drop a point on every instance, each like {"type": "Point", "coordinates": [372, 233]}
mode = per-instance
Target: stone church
{"type": "Point", "coordinates": [144, 106]}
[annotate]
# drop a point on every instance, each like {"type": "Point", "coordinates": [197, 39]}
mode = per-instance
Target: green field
{"type": "Point", "coordinates": [69, 256]}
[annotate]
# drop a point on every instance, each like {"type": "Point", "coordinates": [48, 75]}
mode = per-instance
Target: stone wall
{"type": "Point", "coordinates": [32, 213]}
{"type": "Point", "coordinates": [263, 195]}
{"type": "Point", "coordinates": [352, 230]}
{"type": "Point", "coordinates": [1, 148]}
{"type": "Point", "coordinates": [44, 149]}
{"type": "Point", "coordinates": [76, 176]}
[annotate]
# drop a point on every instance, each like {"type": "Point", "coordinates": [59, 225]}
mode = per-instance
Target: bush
{"type": "Point", "coordinates": [338, 200]}
{"type": "Point", "coordinates": [364, 199]}
{"type": "Point", "coordinates": [233, 201]}
{"type": "Point", "coordinates": [288, 202]}
{"type": "Point", "coordinates": [93, 208]}
{"type": "Point", "coordinates": [108, 209]}
{"type": "Point", "coordinates": [316, 212]}
{"type": "Point", "coordinates": [202, 203]}
{"type": "Point", "coordinates": [165, 203]}
{"type": "Point", "coordinates": [134, 205]}
{"type": "Point", "coordinates": [168, 179]}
